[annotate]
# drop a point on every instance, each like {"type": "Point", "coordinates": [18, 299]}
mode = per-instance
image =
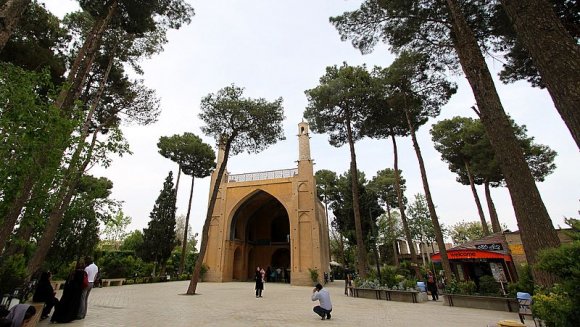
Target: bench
{"type": "Point", "coordinates": [525, 309]}
{"type": "Point", "coordinates": [57, 284]}
{"type": "Point", "coordinates": [112, 282]}
{"type": "Point", "coordinates": [32, 322]}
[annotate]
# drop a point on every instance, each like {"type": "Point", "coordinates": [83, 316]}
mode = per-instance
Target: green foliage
{"type": "Point", "coordinates": [466, 231]}
{"type": "Point", "coordinates": [242, 124]}
{"type": "Point", "coordinates": [556, 308]}
{"type": "Point", "coordinates": [122, 264]}
{"type": "Point", "coordinates": [326, 182]}
{"type": "Point", "coordinates": [159, 237]}
{"type": "Point", "coordinates": [389, 276]}
{"type": "Point", "coordinates": [313, 275]}
{"type": "Point", "coordinates": [12, 273]}
{"type": "Point", "coordinates": [488, 286]}
{"type": "Point", "coordinates": [461, 287]}
{"type": "Point", "coordinates": [525, 281]}
{"type": "Point", "coordinates": [560, 305]}
{"type": "Point", "coordinates": [193, 156]}
{"type": "Point", "coordinates": [133, 241]}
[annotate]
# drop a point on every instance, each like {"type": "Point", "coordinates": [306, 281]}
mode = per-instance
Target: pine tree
{"type": "Point", "coordinates": [159, 236]}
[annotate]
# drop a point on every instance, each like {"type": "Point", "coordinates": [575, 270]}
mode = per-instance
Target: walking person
{"type": "Point", "coordinates": [92, 270]}
{"type": "Point", "coordinates": [432, 286]}
{"type": "Point", "coordinates": [259, 282]}
{"type": "Point", "coordinates": [67, 308]}
{"type": "Point", "coordinates": [323, 297]}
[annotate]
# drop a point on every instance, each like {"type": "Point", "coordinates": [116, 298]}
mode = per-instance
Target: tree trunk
{"type": "Point", "coordinates": [83, 62]}
{"type": "Point", "coordinates": [395, 247]}
{"type": "Point", "coordinates": [534, 222]}
{"type": "Point", "coordinates": [495, 226]}
{"type": "Point", "coordinates": [430, 204]}
{"type": "Point", "coordinates": [14, 211]}
{"type": "Point", "coordinates": [63, 200]}
{"type": "Point", "coordinates": [406, 230]}
{"type": "Point", "coordinates": [360, 245]}
{"type": "Point", "coordinates": [10, 14]}
{"type": "Point", "coordinates": [184, 245]}
{"type": "Point", "coordinates": [554, 52]}
{"type": "Point", "coordinates": [476, 197]}
{"type": "Point", "coordinates": [205, 231]}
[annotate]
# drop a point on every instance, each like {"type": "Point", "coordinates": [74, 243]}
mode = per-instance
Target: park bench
{"type": "Point", "coordinates": [32, 322]}
{"type": "Point", "coordinates": [112, 282]}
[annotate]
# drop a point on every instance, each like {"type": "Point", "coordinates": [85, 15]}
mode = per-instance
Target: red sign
{"type": "Point", "coordinates": [471, 254]}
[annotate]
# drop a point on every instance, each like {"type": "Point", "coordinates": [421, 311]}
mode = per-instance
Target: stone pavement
{"type": "Point", "coordinates": [235, 304]}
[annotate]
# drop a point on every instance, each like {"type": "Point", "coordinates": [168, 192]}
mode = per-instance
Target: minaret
{"type": "Point", "coordinates": [305, 165]}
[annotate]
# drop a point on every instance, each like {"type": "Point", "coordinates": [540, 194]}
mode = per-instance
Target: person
{"type": "Point", "coordinates": [325, 278]}
{"type": "Point", "coordinates": [67, 309]}
{"type": "Point", "coordinates": [92, 270]}
{"type": "Point", "coordinates": [347, 284]}
{"type": "Point", "coordinates": [432, 285]}
{"type": "Point", "coordinates": [268, 273]}
{"type": "Point", "coordinates": [45, 293]}
{"type": "Point", "coordinates": [325, 306]}
{"type": "Point", "coordinates": [259, 282]}
{"type": "Point", "coordinates": [21, 313]}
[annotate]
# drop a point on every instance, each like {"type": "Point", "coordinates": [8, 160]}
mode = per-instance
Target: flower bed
{"type": "Point", "coordinates": [481, 302]}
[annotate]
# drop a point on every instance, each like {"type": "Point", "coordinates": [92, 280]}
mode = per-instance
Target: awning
{"type": "Point", "coordinates": [471, 254]}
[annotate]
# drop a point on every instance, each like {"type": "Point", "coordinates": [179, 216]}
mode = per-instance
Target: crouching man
{"type": "Point", "coordinates": [325, 307]}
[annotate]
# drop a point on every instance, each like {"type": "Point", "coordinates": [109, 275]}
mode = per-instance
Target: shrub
{"type": "Point", "coordinates": [467, 287]}
{"type": "Point", "coordinates": [555, 308]}
{"type": "Point", "coordinates": [488, 286]}
{"type": "Point", "coordinates": [313, 275]}
{"type": "Point", "coordinates": [12, 273]}
{"type": "Point", "coordinates": [525, 281]}
{"type": "Point", "coordinates": [389, 276]}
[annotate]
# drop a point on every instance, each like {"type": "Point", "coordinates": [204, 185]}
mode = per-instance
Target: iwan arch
{"type": "Point", "coordinates": [271, 218]}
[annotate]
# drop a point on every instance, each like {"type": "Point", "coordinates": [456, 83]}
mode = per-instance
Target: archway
{"type": "Point", "coordinates": [261, 226]}
{"type": "Point", "coordinates": [238, 265]}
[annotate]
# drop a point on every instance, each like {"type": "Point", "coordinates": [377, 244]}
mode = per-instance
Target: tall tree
{"type": "Point", "coordinates": [196, 159]}
{"type": "Point", "coordinates": [338, 106]}
{"type": "Point", "coordinates": [159, 236]}
{"type": "Point", "coordinates": [237, 124]}
{"type": "Point", "coordinates": [10, 13]}
{"type": "Point", "coordinates": [441, 30]}
{"type": "Point", "coordinates": [555, 53]}
{"type": "Point", "coordinates": [463, 144]}
{"type": "Point", "coordinates": [419, 88]}
{"type": "Point", "coordinates": [466, 231]}
{"type": "Point", "coordinates": [420, 224]}
{"type": "Point", "coordinates": [114, 231]}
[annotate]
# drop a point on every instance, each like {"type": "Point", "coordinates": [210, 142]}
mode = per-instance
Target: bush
{"type": "Point", "coordinates": [525, 281]}
{"type": "Point", "coordinates": [313, 275]}
{"type": "Point", "coordinates": [12, 273]}
{"type": "Point", "coordinates": [489, 286]}
{"type": "Point", "coordinates": [555, 308]}
{"type": "Point", "coordinates": [389, 276]}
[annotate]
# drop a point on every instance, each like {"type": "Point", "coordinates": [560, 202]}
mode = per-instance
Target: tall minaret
{"type": "Point", "coordinates": [305, 165]}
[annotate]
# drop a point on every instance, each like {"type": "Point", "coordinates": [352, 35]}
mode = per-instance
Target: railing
{"type": "Point", "coordinates": [259, 176]}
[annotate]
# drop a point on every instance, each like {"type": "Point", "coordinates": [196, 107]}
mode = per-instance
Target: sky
{"type": "Point", "coordinates": [280, 49]}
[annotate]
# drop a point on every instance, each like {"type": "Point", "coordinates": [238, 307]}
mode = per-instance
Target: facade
{"type": "Point", "coordinates": [269, 219]}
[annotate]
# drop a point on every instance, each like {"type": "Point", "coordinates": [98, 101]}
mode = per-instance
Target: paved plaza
{"type": "Point", "coordinates": [235, 304]}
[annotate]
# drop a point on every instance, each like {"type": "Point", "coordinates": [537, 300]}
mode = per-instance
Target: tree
{"type": "Point", "coordinates": [463, 144]}
{"type": "Point", "coordinates": [338, 106]}
{"type": "Point", "coordinates": [555, 53]}
{"type": "Point", "coordinates": [10, 12]}
{"type": "Point", "coordinates": [466, 231]}
{"type": "Point", "coordinates": [441, 30]}
{"type": "Point", "coordinates": [420, 223]}
{"type": "Point", "coordinates": [196, 159]}
{"type": "Point", "coordinates": [133, 241]}
{"type": "Point", "coordinates": [419, 88]}
{"type": "Point", "coordinates": [115, 229]}
{"type": "Point", "coordinates": [387, 184]}
{"type": "Point", "coordinates": [159, 236]}
{"type": "Point", "coordinates": [237, 124]}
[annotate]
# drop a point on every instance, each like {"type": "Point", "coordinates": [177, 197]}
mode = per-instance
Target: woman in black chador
{"type": "Point", "coordinates": [68, 308]}
{"type": "Point", "coordinates": [45, 293]}
{"type": "Point", "coordinates": [259, 282]}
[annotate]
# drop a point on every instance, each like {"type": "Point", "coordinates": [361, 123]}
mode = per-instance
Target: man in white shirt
{"type": "Point", "coordinates": [91, 271]}
{"type": "Point", "coordinates": [325, 307]}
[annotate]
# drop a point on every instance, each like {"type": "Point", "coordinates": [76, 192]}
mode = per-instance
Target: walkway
{"type": "Point", "coordinates": [234, 304]}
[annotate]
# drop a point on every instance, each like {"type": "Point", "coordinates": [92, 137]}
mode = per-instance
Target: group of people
{"type": "Point", "coordinates": [75, 295]}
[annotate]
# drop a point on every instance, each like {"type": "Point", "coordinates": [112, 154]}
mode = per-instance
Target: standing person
{"type": "Point", "coordinates": [92, 270]}
{"type": "Point", "coordinates": [347, 284]}
{"type": "Point", "coordinates": [259, 282]}
{"type": "Point", "coordinates": [45, 293]}
{"type": "Point", "coordinates": [67, 309]}
{"type": "Point", "coordinates": [432, 285]}
{"type": "Point", "coordinates": [325, 307]}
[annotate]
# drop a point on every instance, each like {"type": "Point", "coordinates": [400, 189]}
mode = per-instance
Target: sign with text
{"type": "Point", "coordinates": [490, 247]}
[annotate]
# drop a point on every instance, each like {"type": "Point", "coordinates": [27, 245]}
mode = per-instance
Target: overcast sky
{"type": "Point", "coordinates": [280, 49]}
